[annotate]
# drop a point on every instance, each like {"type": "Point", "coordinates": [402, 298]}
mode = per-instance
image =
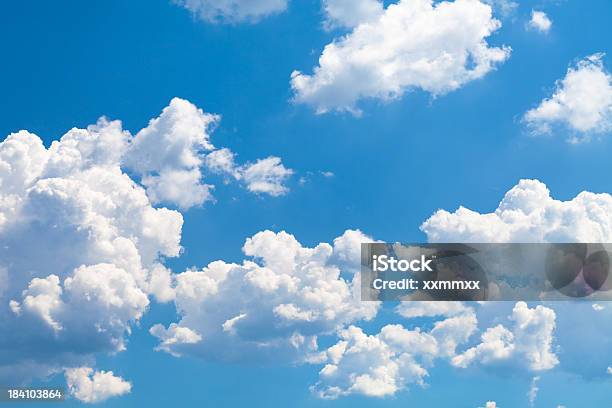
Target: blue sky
{"type": "Point", "coordinates": [66, 63]}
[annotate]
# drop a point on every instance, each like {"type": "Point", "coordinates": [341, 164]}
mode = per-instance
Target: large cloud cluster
{"type": "Point", "coordinates": [81, 243]}
{"type": "Point", "coordinates": [272, 305]}
{"type": "Point", "coordinates": [382, 364]}
{"type": "Point", "coordinates": [413, 44]}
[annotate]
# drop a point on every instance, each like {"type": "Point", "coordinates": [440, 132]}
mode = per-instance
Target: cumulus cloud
{"type": "Point", "coordinates": [375, 365]}
{"type": "Point", "coordinates": [273, 304]}
{"type": "Point", "coordinates": [540, 21]}
{"type": "Point", "coordinates": [528, 344]}
{"type": "Point", "coordinates": [527, 213]}
{"type": "Point", "coordinates": [581, 102]}
{"type": "Point", "coordinates": [90, 387]}
{"type": "Point", "coordinates": [267, 176]}
{"type": "Point", "coordinates": [351, 13]}
{"type": "Point", "coordinates": [410, 45]}
{"type": "Point", "coordinates": [170, 153]}
{"type": "Point", "coordinates": [82, 245]}
{"type": "Point", "coordinates": [383, 364]}
{"type": "Point", "coordinates": [609, 370]}
{"type": "Point", "coordinates": [491, 404]}
{"type": "Point", "coordinates": [78, 241]}
{"type": "Point", "coordinates": [232, 11]}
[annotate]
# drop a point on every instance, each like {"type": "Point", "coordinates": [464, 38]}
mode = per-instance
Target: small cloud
{"type": "Point", "coordinates": [582, 101]}
{"type": "Point", "coordinates": [540, 21]}
{"type": "Point", "coordinates": [91, 386]}
{"type": "Point", "coordinates": [597, 307]}
{"type": "Point", "coordinates": [533, 391]}
{"type": "Point", "coordinates": [327, 174]}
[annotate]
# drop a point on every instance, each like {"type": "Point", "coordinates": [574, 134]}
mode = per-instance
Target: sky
{"type": "Point", "coordinates": [367, 141]}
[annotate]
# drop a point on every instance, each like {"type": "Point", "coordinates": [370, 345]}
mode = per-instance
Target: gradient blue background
{"type": "Point", "coordinates": [66, 63]}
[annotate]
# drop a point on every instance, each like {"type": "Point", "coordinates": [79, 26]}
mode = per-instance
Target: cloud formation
{"type": "Point", "coordinates": [267, 176]}
{"type": "Point", "coordinates": [540, 21]}
{"type": "Point", "coordinates": [274, 304]}
{"type": "Point", "coordinates": [82, 244]}
{"type": "Point", "coordinates": [375, 365]}
{"type": "Point", "coordinates": [527, 213]}
{"type": "Point", "coordinates": [90, 387]}
{"type": "Point", "coordinates": [580, 103]}
{"type": "Point", "coordinates": [232, 11]}
{"type": "Point", "coordinates": [410, 45]}
{"type": "Point", "coordinates": [527, 345]}
{"type": "Point", "coordinates": [171, 152]}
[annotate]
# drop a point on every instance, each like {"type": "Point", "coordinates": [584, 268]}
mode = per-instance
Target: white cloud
{"type": "Point", "coordinates": [412, 45]}
{"type": "Point", "coordinates": [351, 13]}
{"type": "Point", "coordinates": [375, 366]}
{"type": "Point", "coordinates": [170, 153]}
{"type": "Point", "coordinates": [527, 213]}
{"type": "Point", "coordinates": [490, 404]}
{"type": "Point", "coordinates": [91, 387]}
{"type": "Point", "coordinates": [527, 345]}
{"type": "Point", "coordinates": [273, 305]}
{"type": "Point", "coordinates": [232, 11]}
{"type": "Point", "coordinates": [81, 244]}
{"type": "Point", "coordinates": [264, 176]}
{"type": "Point", "coordinates": [597, 307]}
{"type": "Point", "coordinates": [609, 370]}
{"type": "Point", "coordinates": [533, 390]}
{"type": "Point", "coordinates": [582, 101]}
{"type": "Point", "coordinates": [540, 21]}
{"type": "Point", "coordinates": [173, 335]}
{"type": "Point", "coordinates": [78, 242]}
{"type": "Point", "coordinates": [454, 331]}
{"type": "Point", "coordinates": [383, 364]}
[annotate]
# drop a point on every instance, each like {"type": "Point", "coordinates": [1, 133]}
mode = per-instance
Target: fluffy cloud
{"type": "Point", "coordinates": [609, 370]}
{"type": "Point", "coordinates": [90, 387]}
{"type": "Point", "coordinates": [491, 404]}
{"type": "Point", "coordinates": [540, 21]}
{"type": "Point", "coordinates": [232, 11]}
{"type": "Point", "coordinates": [78, 242]}
{"type": "Point", "coordinates": [171, 151]}
{"type": "Point", "coordinates": [351, 13]}
{"type": "Point", "coordinates": [265, 176]}
{"type": "Point", "coordinates": [528, 213]}
{"type": "Point", "coordinates": [528, 344]}
{"type": "Point", "coordinates": [274, 304]}
{"type": "Point", "coordinates": [82, 245]}
{"type": "Point", "coordinates": [383, 364]}
{"type": "Point", "coordinates": [581, 102]}
{"type": "Point", "coordinates": [413, 44]}
{"type": "Point", "coordinates": [375, 366]}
